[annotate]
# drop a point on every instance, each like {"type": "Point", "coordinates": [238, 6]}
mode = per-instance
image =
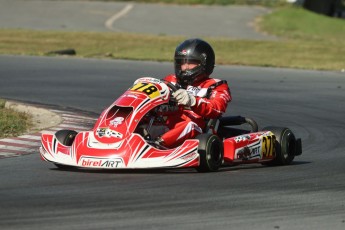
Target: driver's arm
{"type": "Point", "coordinates": [215, 105]}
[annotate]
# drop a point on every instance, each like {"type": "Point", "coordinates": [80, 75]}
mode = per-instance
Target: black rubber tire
{"type": "Point", "coordinates": [285, 145]}
{"type": "Point", "coordinates": [211, 153]}
{"type": "Point", "coordinates": [65, 137]}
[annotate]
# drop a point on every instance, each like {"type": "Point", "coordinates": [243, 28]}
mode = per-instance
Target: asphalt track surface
{"type": "Point", "coordinates": [309, 194]}
{"type": "Point", "coordinates": [195, 21]}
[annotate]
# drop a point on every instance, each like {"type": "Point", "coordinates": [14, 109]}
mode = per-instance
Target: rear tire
{"type": "Point", "coordinates": [211, 153]}
{"type": "Point", "coordinates": [65, 137]}
{"type": "Point", "coordinates": [285, 145]}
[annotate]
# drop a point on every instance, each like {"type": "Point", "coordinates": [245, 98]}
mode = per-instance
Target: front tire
{"type": "Point", "coordinates": [65, 137]}
{"type": "Point", "coordinates": [285, 145]}
{"type": "Point", "coordinates": [211, 153]}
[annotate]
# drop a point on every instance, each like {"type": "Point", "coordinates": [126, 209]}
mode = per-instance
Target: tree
{"type": "Point", "coordinates": [326, 7]}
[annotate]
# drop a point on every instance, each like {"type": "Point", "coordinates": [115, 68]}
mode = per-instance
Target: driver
{"type": "Point", "coordinates": [201, 97]}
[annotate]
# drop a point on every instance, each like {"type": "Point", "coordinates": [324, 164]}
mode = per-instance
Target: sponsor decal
{"type": "Point", "coordinates": [101, 163]}
{"type": "Point", "coordinates": [243, 153]}
{"type": "Point", "coordinates": [117, 121]}
{"type": "Point", "coordinates": [130, 95]}
{"type": "Point", "coordinates": [193, 90]}
{"type": "Point", "coordinates": [148, 79]}
{"type": "Point", "coordinates": [249, 152]}
{"type": "Point", "coordinates": [255, 151]}
{"type": "Point", "coordinates": [242, 138]}
{"type": "Point", "coordinates": [106, 132]}
{"type": "Point", "coordinates": [189, 157]}
{"type": "Point", "coordinates": [183, 52]}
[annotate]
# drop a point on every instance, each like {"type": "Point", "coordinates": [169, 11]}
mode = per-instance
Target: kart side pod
{"type": "Point", "coordinates": [272, 146]}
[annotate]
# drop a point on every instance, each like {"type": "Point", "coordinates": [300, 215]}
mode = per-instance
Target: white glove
{"type": "Point", "coordinates": [184, 98]}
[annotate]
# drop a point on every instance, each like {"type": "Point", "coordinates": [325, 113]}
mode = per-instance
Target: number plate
{"type": "Point", "coordinates": [147, 88]}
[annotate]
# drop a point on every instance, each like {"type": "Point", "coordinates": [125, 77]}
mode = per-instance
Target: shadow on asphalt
{"type": "Point", "coordinates": [172, 171]}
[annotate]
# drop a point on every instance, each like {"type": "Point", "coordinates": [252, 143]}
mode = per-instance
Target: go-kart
{"type": "Point", "coordinates": [123, 138]}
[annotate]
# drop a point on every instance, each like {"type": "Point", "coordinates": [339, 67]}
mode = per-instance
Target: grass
{"type": "Point", "coordinates": [267, 3]}
{"type": "Point", "coordinates": [317, 40]}
{"type": "Point", "coordinates": [297, 23]}
{"type": "Point", "coordinates": [12, 123]}
{"type": "Point", "coordinates": [306, 41]}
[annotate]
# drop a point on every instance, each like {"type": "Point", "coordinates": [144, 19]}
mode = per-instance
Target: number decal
{"type": "Point", "coordinates": [268, 146]}
{"type": "Point", "coordinates": [146, 88]}
{"type": "Point", "coordinates": [139, 86]}
{"type": "Point", "coordinates": [150, 89]}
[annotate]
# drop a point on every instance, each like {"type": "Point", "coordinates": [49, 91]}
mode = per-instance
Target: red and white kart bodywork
{"type": "Point", "coordinates": [120, 138]}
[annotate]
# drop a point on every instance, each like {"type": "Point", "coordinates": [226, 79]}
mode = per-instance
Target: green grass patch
{"type": "Point", "coordinates": [12, 123]}
{"type": "Point", "coordinates": [298, 23]}
{"type": "Point", "coordinates": [2, 103]}
{"type": "Point", "coordinates": [298, 50]}
{"type": "Point", "coordinates": [306, 40]}
{"type": "Point", "coordinates": [267, 3]}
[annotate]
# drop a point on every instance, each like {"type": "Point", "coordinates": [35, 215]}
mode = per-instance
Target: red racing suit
{"type": "Point", "coordinates": [212, 97]}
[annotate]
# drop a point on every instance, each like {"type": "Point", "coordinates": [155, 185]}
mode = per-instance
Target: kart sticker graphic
{"type": "Point", "coordinates": [122, 138]}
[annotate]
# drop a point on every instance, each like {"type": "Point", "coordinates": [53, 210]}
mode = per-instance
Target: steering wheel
{"type": "Point", "coordinates": [173, 87]}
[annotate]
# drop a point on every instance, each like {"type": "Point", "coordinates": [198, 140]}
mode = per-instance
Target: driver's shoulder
{"type": "Point", "coordinates": [211, 82]}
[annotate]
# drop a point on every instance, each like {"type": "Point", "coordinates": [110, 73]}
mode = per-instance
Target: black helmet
{"type": "Point", "coordinates": [194, 51]}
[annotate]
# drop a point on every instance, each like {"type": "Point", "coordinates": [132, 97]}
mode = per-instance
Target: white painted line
{"type": "Point", "coordinates": [55, 129]}
{"type": "Point", "coordinates": [47, 131]}
{"type": "Point", "coordinates": [79, 119]}
{"type": "Point", "coordinates": [57, 111]}
{"type": "Point", "coordinates": [72, 126]}
{"type": "Point", "coordinates": [31, 137]}
{"type": "Point", "coordinates": [19, 149]}
{"type": "Point", "coordinates": [9, 154]}
{"type": "Point", "coordinates": [76, 117]}
{"type": "Point", "coordinates": [14, 141]}
{"type": "Point", "coordinates": [2, 155]}
{"type": "Point", "coordinates": [109, 23]}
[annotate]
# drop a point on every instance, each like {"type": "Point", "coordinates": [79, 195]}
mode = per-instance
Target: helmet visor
{"type": "Point", "coordinates": [181, 61]}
